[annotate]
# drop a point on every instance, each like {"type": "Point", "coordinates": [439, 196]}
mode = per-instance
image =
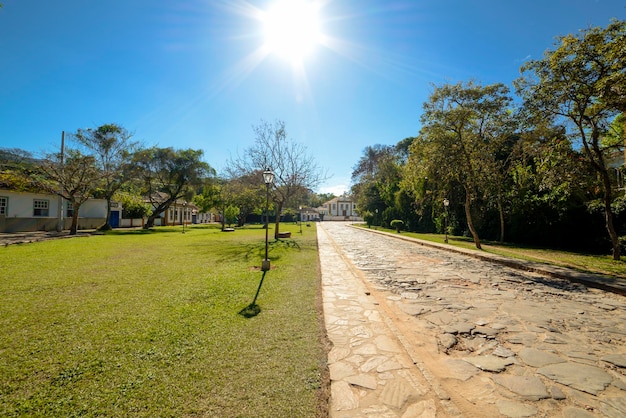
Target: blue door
{"type": "Point", "coordinates": [115, 219]}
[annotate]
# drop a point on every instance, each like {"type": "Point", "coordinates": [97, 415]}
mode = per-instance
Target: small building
{"type": "Point", "coordinates": [39, 211]}
{"type": "Point", "coordinates": [341, 208]}
{"type": "Point", "coordinates": [178, 212]}
{"type": "Point", "coordinates": [309, 214]}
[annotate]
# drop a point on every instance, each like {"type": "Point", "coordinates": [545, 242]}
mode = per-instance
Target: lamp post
{"type": "Point", "coordinates": [268, 179]}
{"type": "Point", "coordinates": [300, 209]}
{"type": "Point", "coordinates": [446, 203]}
{"type": "Point", "coordinates": [376, 219]}
{"type": "Point", "coordinates": [183, 215]}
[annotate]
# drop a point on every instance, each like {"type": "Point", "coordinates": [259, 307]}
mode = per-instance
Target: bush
{"type": "Point", "coordinates": [230, 214]}
{"type": "Point", "coordinates": [397, 224]}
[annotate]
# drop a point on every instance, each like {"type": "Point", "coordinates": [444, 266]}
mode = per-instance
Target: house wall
{"type": "Point", "coordinates": [20, 216]}
{"type": "Point", "coordinates": [340, 209]}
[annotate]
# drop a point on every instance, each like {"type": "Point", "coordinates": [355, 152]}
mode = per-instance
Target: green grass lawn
{"type": "Point", "coordinates": [148, 323]}
{"type": "Point", "coordinates": [603, 264]}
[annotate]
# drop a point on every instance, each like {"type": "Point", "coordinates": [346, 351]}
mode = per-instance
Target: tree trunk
{"type": "Point", "coordinates": [150, 222]}
{"type": "Point", "coordinates": [501, 211]}
{"type": "Point", "coordinates": [107, 222]}
{"type": "Point", "coordinates": [468, 216]}
{"type": "Point", "coordinates": [608, 216]}
{"type": "Point", "coordinates": [74, 227]}
{"type": "Point", "coordinates": [279, 209]}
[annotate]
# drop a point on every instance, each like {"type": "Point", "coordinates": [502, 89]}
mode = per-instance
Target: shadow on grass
{"type": "Point", "coordinates": [250, 311]}
{"type": "Point", "coordinates": [253, 309]}
{"type": "Point", "coordinates": [253, 250]}
{"type": "Point", "coordinates": [138, 230]}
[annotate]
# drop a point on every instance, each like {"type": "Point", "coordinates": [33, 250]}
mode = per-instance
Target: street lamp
{"type": "Point", "coordinates": [183, 215]}
{"type": "Point", "coordinates": [376, 219]}
{"type": "Point", "coordinates": [268, 179]}
{"type": "Point", "coordinates": [300, 208]}
{"type": "Point", "coordinates": [446, 203]}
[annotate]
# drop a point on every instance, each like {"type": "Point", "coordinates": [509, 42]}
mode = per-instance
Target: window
{"type": "Point", "coordinates": [4, 203]}
{"type": "Point", "coordinates": [69, 212]}
{"type": "Point", "coordinates": [40, 207]}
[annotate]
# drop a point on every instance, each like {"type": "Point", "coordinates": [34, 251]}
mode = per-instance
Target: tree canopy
{"type": "Point", "coordinates": [169, 175]}
{"type": "Point", "coordinates": [112, 149]}
{"type": "Point", "coordinates": [537, 170]}
{"type": "Point", "coordinates": [581, 83]}
{"type": "Point", "coordinates": [295, 170]}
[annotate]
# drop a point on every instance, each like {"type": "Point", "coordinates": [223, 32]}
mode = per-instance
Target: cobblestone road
{"type": "Point", "coordinates": [496, 341]}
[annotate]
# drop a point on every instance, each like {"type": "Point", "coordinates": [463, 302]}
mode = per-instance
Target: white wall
{"type": "Point", "coordinates": [93, 208]}
{"type": "Point", "coordinates": [20, 213]}
{"type": "Point", "coordinates": [21, 204]}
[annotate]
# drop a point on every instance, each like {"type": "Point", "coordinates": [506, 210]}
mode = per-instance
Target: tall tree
{"type": "Point", "coordinates": [463, 126]}
{"type": "Point", "coordinates": [294, 168]}
{"type": "Point", "coordinates": [169, 175]}
{"type": "Point", "coordinates": [581, 83]}
{"type": "Point", "coordinates": [207, 195]}
{"type": "Point", "coordinates": [368, 164]}
{"type": "Point", "coordinates": [375, 181]}
{"type": "Point", "coordinates": [247, 195]}
{"type": "Point", "coordinates": [112, 148]}
{"type": "Point", "coordinates": [73, 176]}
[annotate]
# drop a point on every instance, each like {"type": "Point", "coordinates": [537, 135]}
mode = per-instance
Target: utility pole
{"type": "Point", "coordinates": [60, 202]}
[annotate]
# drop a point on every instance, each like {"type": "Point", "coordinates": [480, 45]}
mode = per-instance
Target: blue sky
{"type": "Point", "coordinates": [190, 74]}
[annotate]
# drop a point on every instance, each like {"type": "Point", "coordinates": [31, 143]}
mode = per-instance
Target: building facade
{"type": "Point", "coordinates": [28, 211]}
{"type": "Point", "coordinates": [341, 208]}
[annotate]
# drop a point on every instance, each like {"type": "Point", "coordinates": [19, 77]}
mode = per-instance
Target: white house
{"type": "Point", "coordinates": [340, 208]}
{"type": "Point", "coordinates": [27, 211]}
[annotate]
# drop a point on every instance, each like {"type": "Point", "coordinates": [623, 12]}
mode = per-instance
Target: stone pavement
{"type": "Point", "coordinates": [371, 374]}
{"type": "Point", "coordinates": [36, 236]}
{"type": "Point", "coordinates": [421, 332]}
{"type": "Point", "coordinates": [599, 281]}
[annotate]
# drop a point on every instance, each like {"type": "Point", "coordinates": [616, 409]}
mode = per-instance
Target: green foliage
{"type": "Point", "coordinates": [169, 175]}
{"type": "Point", "coordinates": [315, 200]}
{"type": "Point", "coordinates": [581, 83]}
{"type": "Point", "coordinates": [230, 214]}
{"type": "Point", "coordinates": [209, 196]}
{"type": "Point", "coordinates": [112, 149]}
{"type": "Point", "coordinates": [548, 172]}
{"type": "Point", "coordinates": [465, 126]}
{"type": "Point", "coordinates": [133, 205]}
{"type": "Point", "coordinates": [397, 224]}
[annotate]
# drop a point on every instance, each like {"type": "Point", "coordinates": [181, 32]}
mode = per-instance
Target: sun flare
{"type": "Point", "coordinates": [291, 29]}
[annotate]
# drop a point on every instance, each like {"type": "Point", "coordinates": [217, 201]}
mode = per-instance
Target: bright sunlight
{"type": "Point", "coordinates": [291, 29]}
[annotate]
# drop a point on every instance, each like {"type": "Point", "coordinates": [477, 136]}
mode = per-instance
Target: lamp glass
{"type": "Point", "coordinates": [268, 176]}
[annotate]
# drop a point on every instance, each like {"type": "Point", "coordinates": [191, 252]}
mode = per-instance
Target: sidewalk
{"type": "Point", "coordinates": [371, 374]}
{"type": "Point", "coordinates": [9, 238]}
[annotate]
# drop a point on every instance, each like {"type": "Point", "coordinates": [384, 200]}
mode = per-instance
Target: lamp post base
{"type": "Point", "coordinates": [265, 265]}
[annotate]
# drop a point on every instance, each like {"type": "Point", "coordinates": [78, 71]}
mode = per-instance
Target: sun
{"type": "Point", "coordinates": [291, 29]}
